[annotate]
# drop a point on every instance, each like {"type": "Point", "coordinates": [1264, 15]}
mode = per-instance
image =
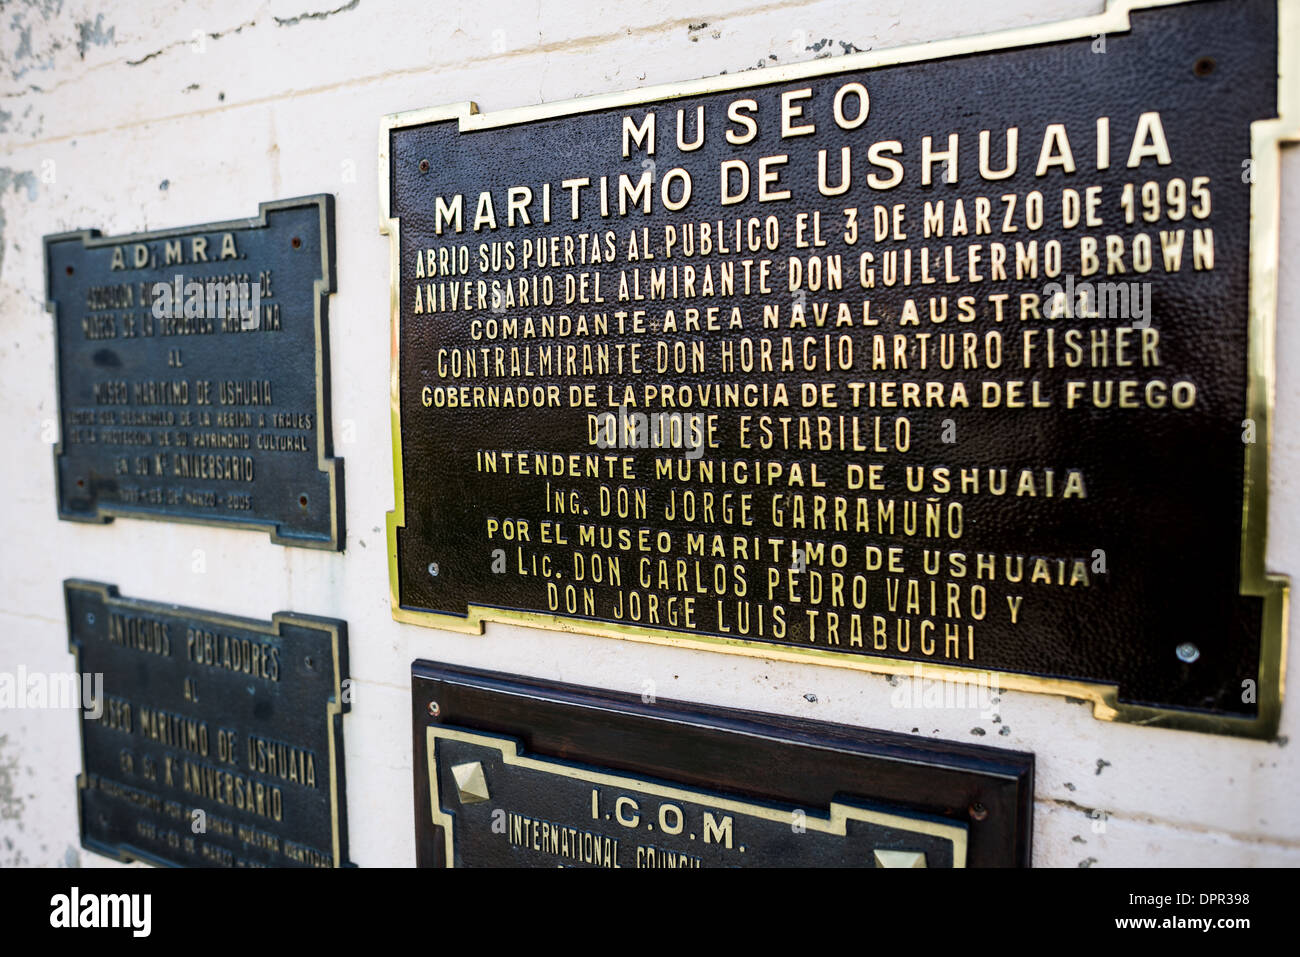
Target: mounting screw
{"type": "Point", "coordinates": [424, 166]}
{"type": "Point", "coordinates": [433, 569]}
{"type": "Point", "coordinates": [1187, 652]}
{"type": "Point", "coordinates": [434, 710]}
{"type": "Point", "coordinates": [978, 812]}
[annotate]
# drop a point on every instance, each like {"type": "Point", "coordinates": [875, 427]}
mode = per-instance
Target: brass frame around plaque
{"type": "Point", "coordinates": [835, 823]}
{"type": "Point", "coordinates": [322, 288]}
{"type": "Point", "coordinates": [1267, 136]}
{"type": "Point", "coordinates": [333, 705]}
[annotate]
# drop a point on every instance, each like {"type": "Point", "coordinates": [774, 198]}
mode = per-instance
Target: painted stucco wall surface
{"type": "Point", "coordinates": [152, 114]}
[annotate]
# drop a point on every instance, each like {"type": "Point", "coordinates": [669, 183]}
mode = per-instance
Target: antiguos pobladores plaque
{"type": "Point", "coordinates": [193, 370]}
{"type": "Point", "coordinates": [956, 356]}
{"type": "Point", "coordinates": [213, 741]}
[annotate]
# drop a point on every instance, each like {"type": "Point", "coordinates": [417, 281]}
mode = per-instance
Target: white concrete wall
{"type": "Point", "coordinates": [149, 114]}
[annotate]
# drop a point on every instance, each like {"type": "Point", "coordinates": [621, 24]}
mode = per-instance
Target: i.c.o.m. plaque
{"type": "Point", "coordinates": [211, 740]}
{"type": "Point", "coordinates": [511, 772]}
{"type": "Point", "coordinates": [957, 354]}
{"type": "Point", "coordinates": [193, 374]}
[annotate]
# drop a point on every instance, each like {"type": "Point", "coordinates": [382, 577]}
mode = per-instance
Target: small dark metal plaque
{"type": "Point", "coordinates": [511, 772]}
{"type": "Point", "coordinates": [218, 740]}
{"type": "Point", "coordinates": [958, 355]}
{"type": "Point", "coordinates": [193, 370]}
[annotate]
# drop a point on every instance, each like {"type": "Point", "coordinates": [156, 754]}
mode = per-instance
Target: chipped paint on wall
{"type": "Point", "coordinates": [25, 179]}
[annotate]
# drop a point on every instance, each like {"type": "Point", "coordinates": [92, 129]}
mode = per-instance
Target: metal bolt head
{"type": "Point", "coordinates": [1187, 652]}
{"type": "Point", "coordinates": [434, 709]}
{"type": "Point", "coordinates": [978, 812]}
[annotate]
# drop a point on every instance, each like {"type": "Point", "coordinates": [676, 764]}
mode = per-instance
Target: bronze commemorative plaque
{"type": "Point", "coordinates": [193, 374]}
{"type": "Point", "coordinates": [511, 772]}
{"type": "Point", "coordinates": [953, 356]}
{"type": "Point", "coordinates": [210, 740]}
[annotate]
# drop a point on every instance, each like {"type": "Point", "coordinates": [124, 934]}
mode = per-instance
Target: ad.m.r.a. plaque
{"type": "Point", "coordinates": [193, 374]}
{"type": "Point", "coordinates": [958, 354]}
{"type": "Point", "coordinates": [211, 740]}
